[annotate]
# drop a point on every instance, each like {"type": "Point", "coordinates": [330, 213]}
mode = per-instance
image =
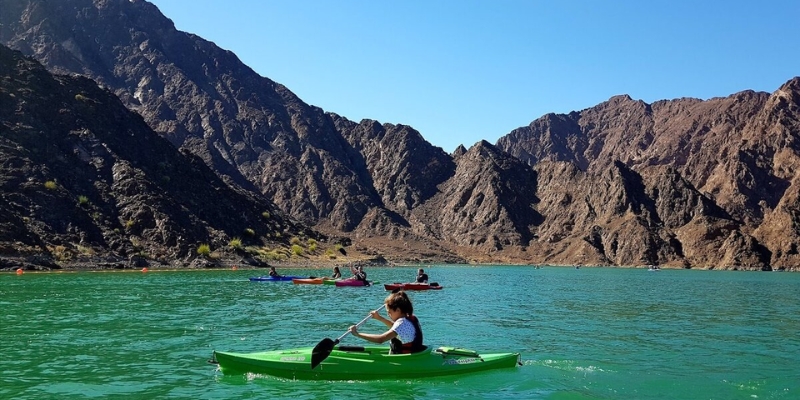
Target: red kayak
{"type": "Point", "coordinates": [412, 286]}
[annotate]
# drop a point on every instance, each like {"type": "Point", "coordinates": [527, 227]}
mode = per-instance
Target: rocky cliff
{"type": "Point", "coordinates": [685, 182]}
{"type": "Point", "coordinates": [84, 179]}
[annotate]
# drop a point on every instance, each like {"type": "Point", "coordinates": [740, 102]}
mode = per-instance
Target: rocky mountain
{"type": "Point", "coordinates": [683, 183]}
{"type": "Point", "coordinates": [84, 179]}
{"type": "Point", "coordinates": [740, 152]}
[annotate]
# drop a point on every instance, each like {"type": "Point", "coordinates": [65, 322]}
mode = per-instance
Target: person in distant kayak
{"type": "Point", "coordinates": [358, 273]}
{"type": "Point", "coordinates": [422, 277]}
{"type": "Point", "coordinates": [273, 273]}
{"type": "Point", "coordinates": [336, 273]}
{"type": "Point", "coordinates": [404, 334]}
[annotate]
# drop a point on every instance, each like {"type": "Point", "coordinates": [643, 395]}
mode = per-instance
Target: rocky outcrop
{"type": "Point", "coordinates": [83, 179]}
{"type": "Point", "coordinates": [740, 152]}
{"type": "Point", "coordinates": [403, 167]}
{"type": "Point", "coordinates": [488, 203]}
{"type": "Point", "coordinates": [250, 130]}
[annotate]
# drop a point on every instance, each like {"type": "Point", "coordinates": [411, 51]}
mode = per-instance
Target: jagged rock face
{"type": "Point", "coordinates": [247, 128]}
{"type": "Point", "coordinates": [700, 139]}
{"type": "Point", "coordinates": [83, 176]}
{"type": "Point", "coordinates": [740, 151]}
{"type": "Point", "coordinates": [488, 202]}
{"type": "Point", "coordinates": [403, 167]}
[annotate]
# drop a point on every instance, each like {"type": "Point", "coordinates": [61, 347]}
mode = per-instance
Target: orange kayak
{"type": "Point", "coordinates": [307, 281]}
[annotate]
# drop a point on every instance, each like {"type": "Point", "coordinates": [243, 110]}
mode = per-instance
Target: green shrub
{"type": "Point", "coordinates": [235, 243]}
{"type": "Point", "coordinates": [204, 250]}
{"type": "Point", "coordinates": [50, 185]}
{"type": "Point", "coordinates": [83, 201]}
{"type": "Point", "coordinates": [297, 249]}
{"type": "Point", "coordinates": [312, 247]}
{"type": "Point", "coordinates": [250, 232]}
{"type": "Point", "coordinates": [295, 240]}
{"type": "Point", "coordinates": [312, 242]}
{"type": "Point", "coordinates": [265, 214]}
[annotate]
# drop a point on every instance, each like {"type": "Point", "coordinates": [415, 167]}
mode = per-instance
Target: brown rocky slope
{"type": "Point", "coordinates": [85, 181]}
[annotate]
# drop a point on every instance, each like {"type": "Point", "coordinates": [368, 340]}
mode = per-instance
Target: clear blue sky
{"type": "Point", "coordinates": [460, 71]}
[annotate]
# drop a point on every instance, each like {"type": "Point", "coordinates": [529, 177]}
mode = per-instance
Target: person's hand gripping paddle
{"type": "Point", "coordinates": [323, 349]}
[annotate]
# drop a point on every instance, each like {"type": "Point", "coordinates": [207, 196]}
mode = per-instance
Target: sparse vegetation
{"type": "Point", "coordinates": [294, 240]}
{"type": "Point", "coordinates": [60, 253]}
{"type": "Point", "coordinates": [87, 251]}
{"type": "Point", "coordinates": [235, 243]}
{"type": "Point", "coordinates": [297, 250]}
{"type": "Point", "coordinates": [265, 254]}
{"type": "Point", "coordinates": [204, 250]}
{"type": "Point", "coordinates": [83, 201]}
{"type": "Point", "coordinates": [81, 97]}
{"type": "Point", "coordinates": [50, 185]}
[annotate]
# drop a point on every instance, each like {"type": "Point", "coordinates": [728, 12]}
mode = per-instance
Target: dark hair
{"type": "Point", "coordinates": [400, 301]}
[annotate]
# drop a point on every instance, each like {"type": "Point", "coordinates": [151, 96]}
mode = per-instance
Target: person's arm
{"type": "Point", "coordinates": [377, 316]}
{"type": "Point", "coordinates": [373, 337]}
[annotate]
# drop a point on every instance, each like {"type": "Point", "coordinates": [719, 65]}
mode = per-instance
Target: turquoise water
{"type": "Point", "coordinates": [589, 333]}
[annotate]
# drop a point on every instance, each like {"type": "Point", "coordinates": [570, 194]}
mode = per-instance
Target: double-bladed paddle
{"type": "Point", "coordinates": [323, 349]}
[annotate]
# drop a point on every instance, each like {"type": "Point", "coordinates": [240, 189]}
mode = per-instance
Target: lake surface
{"type": "Point", "coordinates": [589, 333]}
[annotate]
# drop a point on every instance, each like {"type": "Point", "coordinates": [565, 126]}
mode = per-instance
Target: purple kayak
{"type": "Point", "coordinates": [352, 282]}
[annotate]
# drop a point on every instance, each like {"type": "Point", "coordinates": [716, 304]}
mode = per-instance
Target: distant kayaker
{"type": "Point", "coordinates": [336, 273]}
{"type": "Point", "coordinates": [422, 277]}
{"type": "Point", "coordinates": [273, 273]}
{"type": "Point", "coordinates": [358, 273]}
{"type": "Point", "coordinates": [404, 334]}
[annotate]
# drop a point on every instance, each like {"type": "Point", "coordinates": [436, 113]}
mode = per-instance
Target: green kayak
{"type": "Point", "coordinates": [363, 363]}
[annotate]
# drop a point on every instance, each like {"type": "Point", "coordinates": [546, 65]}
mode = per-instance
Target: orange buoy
{"type": "Point", "coordinates": [234, 268]}
{"type": "Point", "coordinates": [20, 271]}
{"type": "Point", "coordinates": [144, 269]}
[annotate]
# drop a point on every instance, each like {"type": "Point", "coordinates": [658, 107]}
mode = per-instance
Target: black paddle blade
{"type": "Point", "coordinates": [321, 351]}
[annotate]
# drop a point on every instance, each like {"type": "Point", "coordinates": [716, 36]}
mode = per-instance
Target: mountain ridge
{"type": "Point", "coordinates": [730, 160]}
